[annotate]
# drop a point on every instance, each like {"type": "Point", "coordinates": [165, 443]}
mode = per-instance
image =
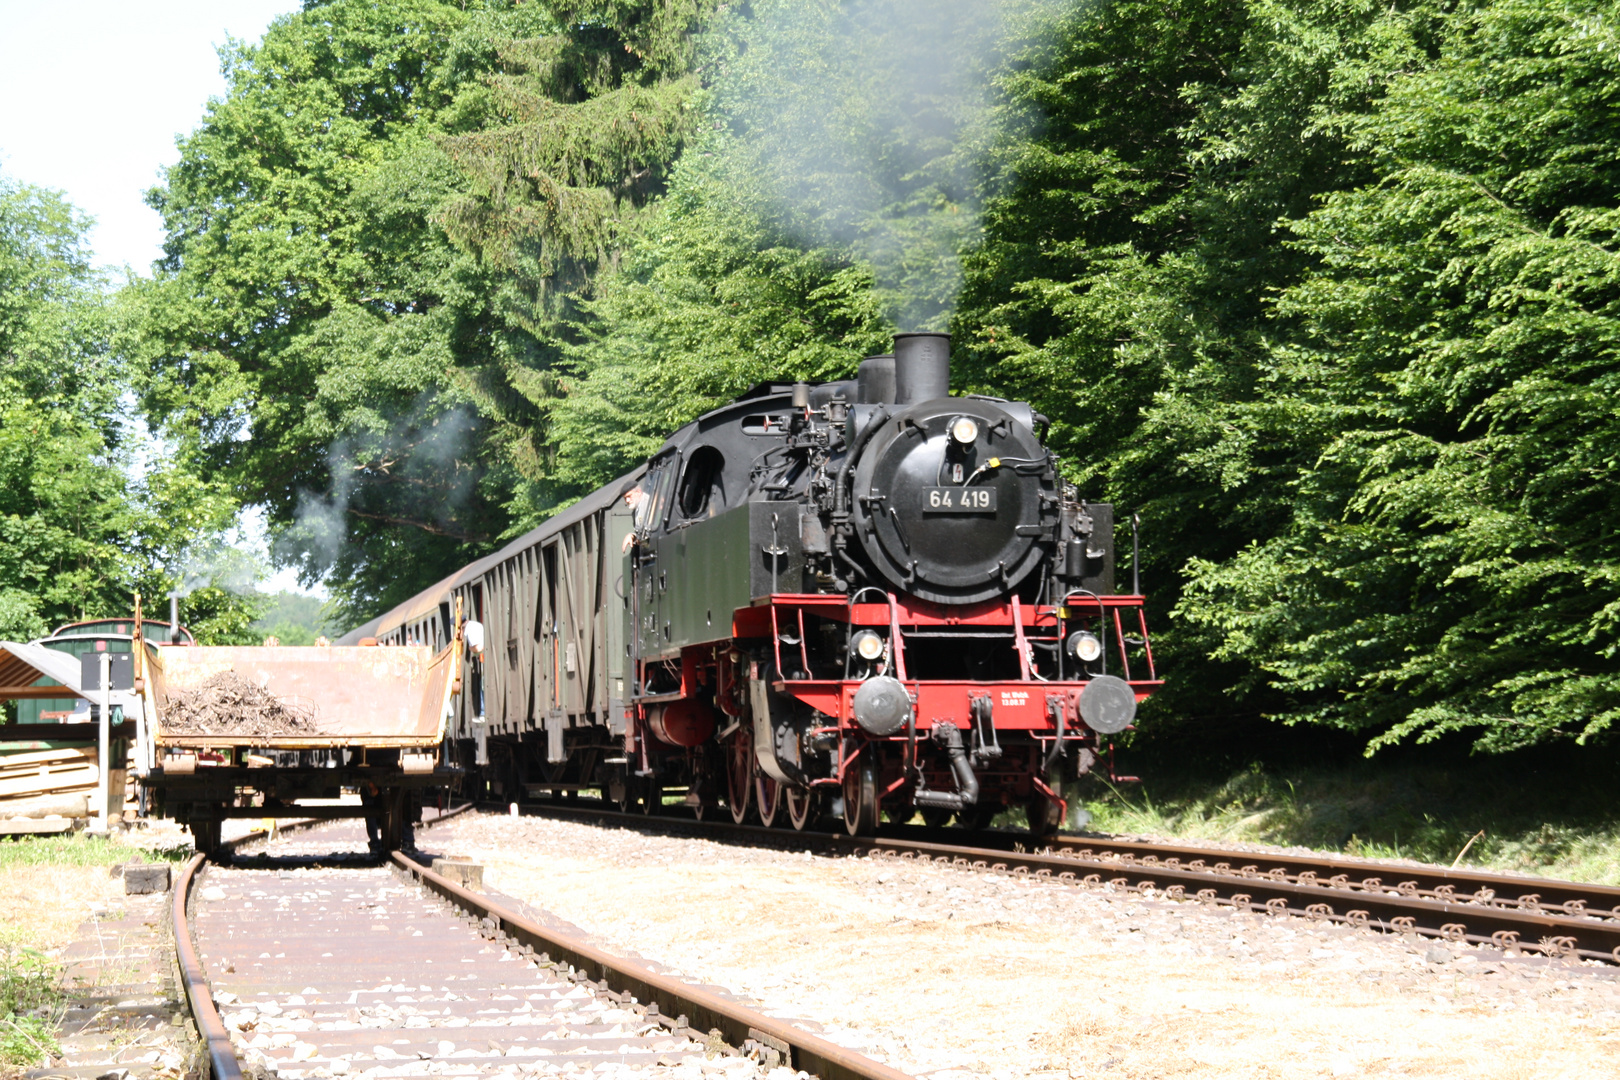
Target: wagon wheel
{"type": "Point", "coordinates": [621, 790]}
{"type": "Point", "coordinates": [652, 796]}
{"type": "Point", "coordinates": [936, 817]}
{"type": "Point", "coordinates": [861, 798]}
{"type": "Point", "coordinates": [1045, 815]}
{"type": "Point", "coordinates": [205, 834]}
{"type": "Point", "coordinates": [393, 818]}
{"type": "Point", "coordinates": [802, 805]}
{"type": "Point", "coordinates": [740, 773]}
{"type": "Point", "coordinates": [768, 797]}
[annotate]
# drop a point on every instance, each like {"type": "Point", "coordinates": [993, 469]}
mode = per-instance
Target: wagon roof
{"type": "Point", "coordinates": [423, 603]}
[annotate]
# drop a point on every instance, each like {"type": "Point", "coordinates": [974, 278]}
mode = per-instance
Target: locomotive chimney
{"type": "Point", "coordinates": [875, 381]}
{"type": "Point", "coordinates": [922, 367]}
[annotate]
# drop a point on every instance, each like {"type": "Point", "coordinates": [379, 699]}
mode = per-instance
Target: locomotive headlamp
{"type": "Point", "coordinates": [1085, 646]}
{"type": "Point", "coordinates": [867, 645]}
{"type": "Point", "coordinates": [965, 429]}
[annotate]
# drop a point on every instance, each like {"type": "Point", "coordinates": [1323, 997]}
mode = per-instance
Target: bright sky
{"type": "Point", "coordinates": [95, 91]}
{"type": "Point", "coordinates": [92, 96]}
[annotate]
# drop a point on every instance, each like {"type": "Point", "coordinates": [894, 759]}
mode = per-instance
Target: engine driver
{"type": "Point", "coordinates": [636, 499]}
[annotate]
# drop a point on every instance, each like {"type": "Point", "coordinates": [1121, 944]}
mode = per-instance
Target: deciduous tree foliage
{"type": "Point", "coordinates": [1324, 290]}
{"type": "Point", "coordinates": [78, 532]}
{"type": "Point", "coordinates": [368, 237]}
{"type": "Point", "coordinates": [1450, 559]}
{"type": "Point", "coordinates": [1149, 158]}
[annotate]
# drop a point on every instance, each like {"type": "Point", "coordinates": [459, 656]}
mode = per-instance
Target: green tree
{"type": "Point", "coordinates": [79, 530]}
{"type": "Point", "coordinates": [819, 206]}
{"type": "Point", "coordinates": [316, 336]}
{"type": "Point", "coordinates": [310, 335]}
{"type": "Point", "coordinates": [580, 126]}
{"type": "Point", "coordinates": [710, 301]}
{"type": "Point", "coordinates": [1147, 163]}
{"type": "Point", "coordinates": [1450, 562]}
{"type": "Point", "coordinates": [62, 506]}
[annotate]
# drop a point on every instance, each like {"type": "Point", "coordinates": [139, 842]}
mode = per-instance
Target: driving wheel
{"type": "Point", "coordinates": [802, 804]}
{"type": "Point", "coordinates": [740, 773]}
{"type": "Point", "coordinates": [861, 798]}
{"type": "Point", "coordinates": [768, 798]}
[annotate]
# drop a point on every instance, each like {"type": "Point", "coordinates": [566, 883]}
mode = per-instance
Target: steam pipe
{"type": "Point", "coordinates": [174, 618]}
{"type": "Point", "coordinates": [949, 736]}
{"type": "Point", "coordinates": [841, 490]}
{"type": "Point", "coordinates": [1057, 744]}
{"type": "Point", "coordinates": [841, 499]}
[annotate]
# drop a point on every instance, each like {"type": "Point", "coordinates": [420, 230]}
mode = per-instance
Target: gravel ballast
{"type": "Point", "coordinates": [956, 974]}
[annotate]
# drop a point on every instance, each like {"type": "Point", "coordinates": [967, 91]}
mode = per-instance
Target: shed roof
{"type": "Point", "coordinates": [21, 666]}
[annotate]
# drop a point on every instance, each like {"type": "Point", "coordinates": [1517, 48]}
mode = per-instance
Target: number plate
{"type": "Point", "coordinates": [959, 500]}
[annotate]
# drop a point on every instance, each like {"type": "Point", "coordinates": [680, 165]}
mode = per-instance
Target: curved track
{"type": "Point", "coordinates": [323, 962]}
{"type": "Point", "coordinates": [1511, 912]}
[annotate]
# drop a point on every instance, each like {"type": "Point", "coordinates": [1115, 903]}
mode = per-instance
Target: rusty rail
{"type": "Point", "coordinates": [1397, 899]}
{"type": "Point", "coordinates": [1491, 888]}
{"type": "Point", "coordinates": [194, 980]}
{"type": "Point", "coordinates": [1388, 908]}
{"type": "Point", "coordinates": [703, 1009]}
{"type": "Point", "coordinates": [199, 996]}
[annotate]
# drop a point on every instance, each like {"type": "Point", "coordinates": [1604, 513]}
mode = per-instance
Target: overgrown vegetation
{"type": "Point", "coordinates": [31, 1005]}
{"type": "Point", "coordinates": [48, 872]}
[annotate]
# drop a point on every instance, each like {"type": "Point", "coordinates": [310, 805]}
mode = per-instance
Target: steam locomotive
{"type": "Point", "coordinates": [841, 600]}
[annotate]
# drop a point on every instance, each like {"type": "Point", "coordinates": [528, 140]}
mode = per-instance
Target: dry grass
{"type": "Point", "coordinates": [50, 884]}
{"type": "Point", "coordinates": [1012, 997]}
{"type": "Point", "coordinates": [44, 905]}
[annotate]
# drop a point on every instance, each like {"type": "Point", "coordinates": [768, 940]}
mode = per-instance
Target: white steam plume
{"type": "Point", "coordinates": [861, 121]}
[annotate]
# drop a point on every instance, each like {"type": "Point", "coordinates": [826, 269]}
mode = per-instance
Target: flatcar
{"type": "Point", "coordinates": [844, 600]}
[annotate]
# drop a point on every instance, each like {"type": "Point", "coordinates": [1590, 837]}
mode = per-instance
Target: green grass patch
{"type": "Point", "coordinates": [1511, 815]}
{"type": "Point", "coordinates": [80, 849]}
{"type": "Point", "coordinates": [27, 1040]}
{"type": "Point", "coordinates": [31, 1006]}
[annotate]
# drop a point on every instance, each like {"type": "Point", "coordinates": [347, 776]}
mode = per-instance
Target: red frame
{"type": "Point", "coordinates": [1024, 704]}
{"type": "Point", "coordinates": [1019, 704]}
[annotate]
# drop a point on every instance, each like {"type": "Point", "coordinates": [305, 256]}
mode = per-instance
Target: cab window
{"type": "Point", "coordinates": [659, 484]}
{"type": "Point", "coordinates": [703, 493]}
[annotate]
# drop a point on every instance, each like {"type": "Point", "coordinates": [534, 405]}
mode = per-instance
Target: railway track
{"type": "Point", "coordinates": [1506, 911]}
{"type": "Point", "coordinates": [311, 959]}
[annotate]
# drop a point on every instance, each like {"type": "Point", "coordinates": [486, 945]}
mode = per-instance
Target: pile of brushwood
{"type": "Point", "coordinates": [227, 704]}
